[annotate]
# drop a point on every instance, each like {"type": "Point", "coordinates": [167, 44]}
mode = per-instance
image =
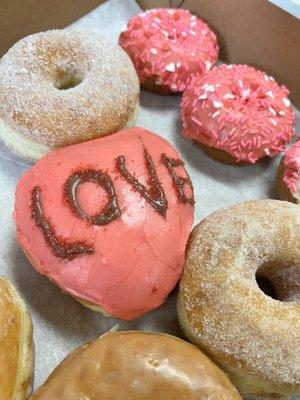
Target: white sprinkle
{"type": "Point", "coordinates": [165, 32]}
{"type": "Point", "coordinates": [281, 113]}
{"type": "Point", "coordinates": [157, 19]}
{"type": "Point", "coordinates": [245, 93]}
{"type": "Point", "coordinates": [228, 96]}
{"type": "Point", "coordinates": [207, 65]}
{"type": "Point", "coordinates": [193, 17]}
{"type": "Point", "coordinates": [178, 64]}
{"type": "Point", "coordinates": [229, 66]}
{"type": "Point", "coordinates": [171, 12]}
{"type": "Point", "coordinates": [272, 111]}
{"type": "Point", "coordinates": [208, 88]}
{"type": "Point", "coordinates": [215, 114]}
{"type": "Point", "coordinates": [270, 94]}
{"type": "Point", "coordinates": [184, 34]}
{"type": "Point", "coordinates": [273, 121]}
{"type": "Point", "coordinates": [267, 78]}
{"type": "Point", "coordinates": [286, 102]}
{"type": "Point", "coordinates": [193, 33]}
{"type": "Point", "coordinates": [271, 77]}
{"type": "Point", "coordinates": [194, 23]}
{"type": "Point", "coordinates": [170, 67]}
{"type": "Point", "coordinates": [267, 151]}
{"type": "Point", "coordinates": [217, 104]}
{"type": "Point", "coordinates": [240, 83]}
{"type": "Point", "coordinates": [124, 28]}
{"type": "Point", "coordinates": [203, 96]}
{"type": "Point", "coordinates": [193, 54]}
{"type": "Point", "coordinates": [153, 51]}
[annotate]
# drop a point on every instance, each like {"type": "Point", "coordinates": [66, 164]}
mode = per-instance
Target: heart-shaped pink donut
{"type": "Point", "coordinates": [108, 220]}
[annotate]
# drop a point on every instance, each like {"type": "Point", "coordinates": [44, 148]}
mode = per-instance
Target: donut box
{"type": "Point", "coordinates": [156, 189]}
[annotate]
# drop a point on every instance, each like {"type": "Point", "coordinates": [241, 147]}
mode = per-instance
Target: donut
{"type": "Point", "coordinates": [16, 354]}
{"type": "Point", "coordinates": [167, 47]}
{"type": "Point", "coordinates": [136, 365]}
{"type": "Point", "coordinates": [237, 114]}
{"type": "Point", "coordinates": [288, 175]}
{"type": "Point", "coordinates": [239, 297]}
{"type": "Point", "coordinates": [108, 220]}
{"type": "Point", "coordinates": [63, 87]}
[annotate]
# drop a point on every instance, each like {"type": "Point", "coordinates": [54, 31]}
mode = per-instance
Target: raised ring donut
{"type": "Point", "coordinates": [239, 297]}
{"type": "Point", "coordinates": [62, 87]}
{"type": "Point", "coordinates": [137, 366]}
{"type": "Point", "coordinates": [16, 350]}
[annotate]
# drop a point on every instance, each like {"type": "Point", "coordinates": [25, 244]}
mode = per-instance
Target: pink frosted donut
{"type": "Point", "coordinates": [168, 46]}
{"type": "Point", "coordinates": [108, 220]}
{"type": "Point", "coordinates": [239, 111]}
{"type": "Point", "coordinates": [292, 170]}
{"type": "Point", "coordinates": [288, 177]}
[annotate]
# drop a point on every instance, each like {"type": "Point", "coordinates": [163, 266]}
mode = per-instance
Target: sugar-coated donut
{"type": "Point", "coordinates": [136, 365]}
{"type": "Point", "coordinates": [16, 350]}
{"type": "Point", "coordinates": [238, 258]}
{"type": "Point", "coordinates": [168, 46]}
{"type": "Point", "coordinates": [62, 87]}
{"type": "Point", "coordinates": [237, 114]}
{"type": "Point", "coordinates": [288, 176]}
{"type": "Point", "coordinates": [108, 220]}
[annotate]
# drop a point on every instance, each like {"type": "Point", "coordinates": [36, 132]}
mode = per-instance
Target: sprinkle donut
{"type": "Point", "coordinates": [239, 297]}
{"type": "Point", "coordinates": [136, 365]}
{"type": "Point", "coordinates": [108, 220]}
{"type": "Point", "coordinates": [288, 176]}
{"type": "Point", "coordinates": [237, 114]}
{"type": "Point", "coordinates": [167, 47]}
{"type": "Point", "coordinates": [62, 87]}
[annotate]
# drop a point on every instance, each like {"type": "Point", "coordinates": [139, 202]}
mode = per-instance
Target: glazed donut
{"type": "Point", "coordinates": [167, 47]}
{"type": "Point", "coordinates": [237, 114]}
{"type": "Point", "coordinates": [16, 353]}
{"type": "Point", "coordinates": [62, 87]}
{"type": "Point", "coordinates": [288, 175]}
{"type": "Point", "coordinates": [137, 366]}
{"type": "Point", "coordinates": [108, 220]}
{"type": "Point", "coordinates": [238, 258]}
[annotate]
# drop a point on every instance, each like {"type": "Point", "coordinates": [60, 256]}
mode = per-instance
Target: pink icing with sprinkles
{"type": "Point", "coordinates": [169, 46]}
{"type": "Point", "coordinates": [291, 163]}
{"type": "Point", "coordinates": [240, 110]}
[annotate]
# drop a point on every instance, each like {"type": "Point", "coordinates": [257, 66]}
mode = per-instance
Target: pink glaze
{"type": "Point", "coordinates": [139, 256]}
{"type": "Point", "coordinates": [240, 110]}
{"type": "Point", "coordinates": [169, 46]}
{"type": "Point", "coordinates": [292, 169]}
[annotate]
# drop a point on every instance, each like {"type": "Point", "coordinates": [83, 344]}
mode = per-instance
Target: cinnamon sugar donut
{"type": "Point", "coordinates": [237, 259]}
{"type": "Point", "coordinates": [167, 47]}
{"type": "Point", "coordinates": [137, 366]}
{"type": "Point", "coordinates": [237, 114]}
{"type": "Point", "coordinates": [62, 87]}
{"type": "Point", "coordinates": [16, 354]}
{"type": "Point", "coordinates": [288, 175]}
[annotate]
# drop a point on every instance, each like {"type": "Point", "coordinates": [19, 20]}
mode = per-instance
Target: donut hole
{"type": "Point", "coordinates": [280, 282]}
{"type": "Point", "coordinates": [67, 79]}
{"type": "Point", "coordinates": [266, 286]}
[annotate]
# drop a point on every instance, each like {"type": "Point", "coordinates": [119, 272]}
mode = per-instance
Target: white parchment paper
{"type": "Point", "coordinates": [60, 323]}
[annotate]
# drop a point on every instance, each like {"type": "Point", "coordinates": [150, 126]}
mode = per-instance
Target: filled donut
{"type": "Point", "coordinates": [237, 114]}
{"type": "Point", "coordinates": [288, 175]}
{"type": "Point", "coordinates": [108, 220]}
{"type": "Point", "coordinates": [16, 352]}
{"type": "Point", "coordinates": [239, 298]}
{"type": "Point", "coordinates": [136, 365]}
{"type": "Point", "coordinates": [62, 87]}
{"type": "Point", "coordinates": [168, 46]}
